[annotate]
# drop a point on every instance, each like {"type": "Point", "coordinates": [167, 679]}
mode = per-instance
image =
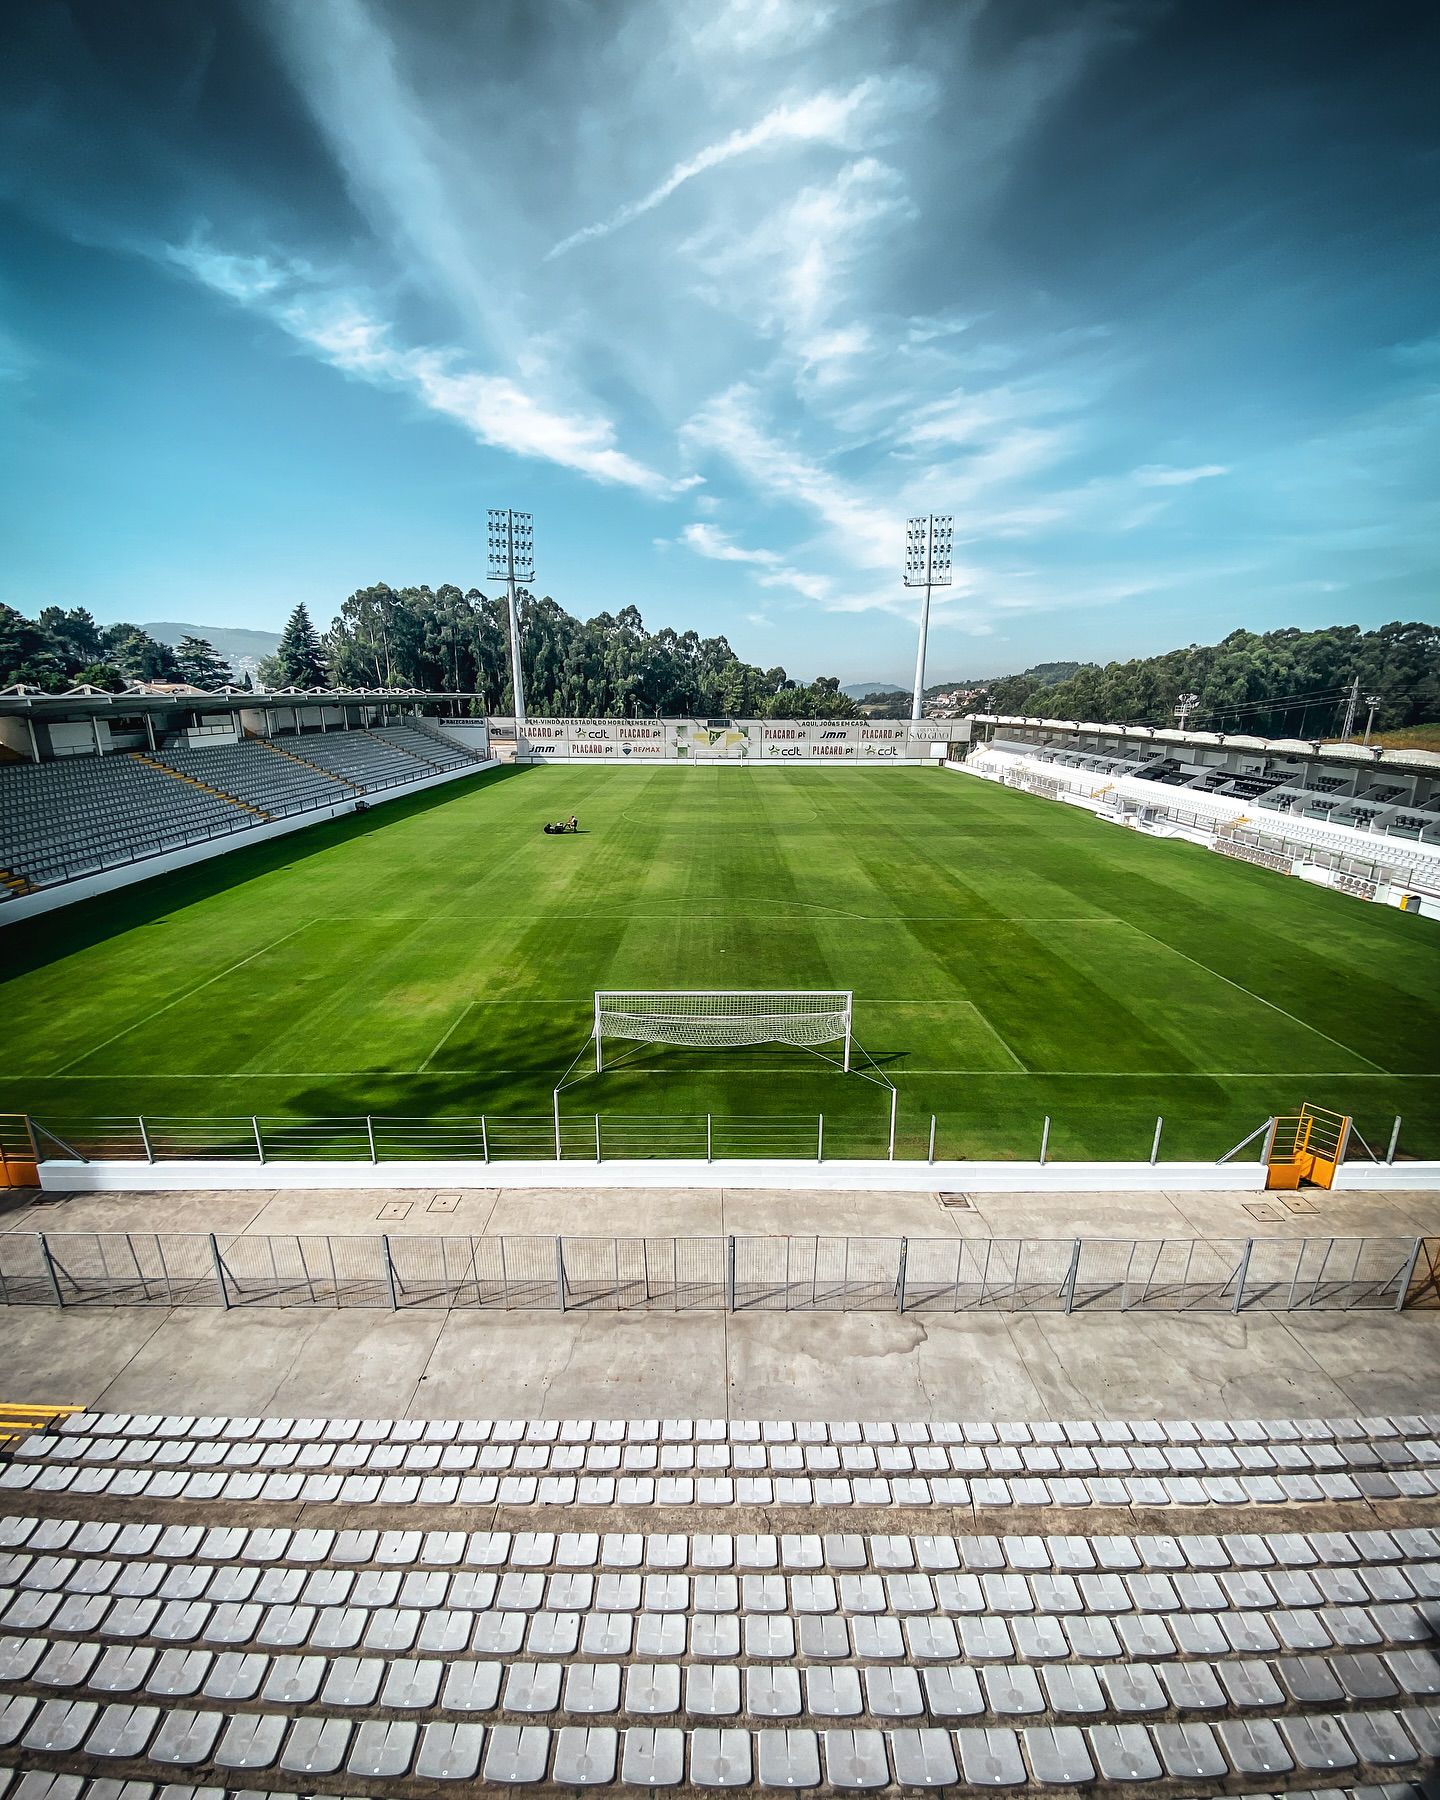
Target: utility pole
{"type": "Point", "coordinates": [927, 565]}
{"type": "Point", "coordinates": [512, 559]}
{"type": "Point", "coordinates": [1352, 700]}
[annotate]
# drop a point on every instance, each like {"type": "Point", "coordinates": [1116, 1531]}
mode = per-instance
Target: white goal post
{"type": "Point", "coordinates": [717, 1017]}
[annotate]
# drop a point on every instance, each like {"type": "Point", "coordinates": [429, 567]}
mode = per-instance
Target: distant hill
{"type": "Point", "coordinates": [857, 690]}
{"type": "Point", "coordinates": [1049, 674]}
{"type": "Point", "coordinates": [230, 641]}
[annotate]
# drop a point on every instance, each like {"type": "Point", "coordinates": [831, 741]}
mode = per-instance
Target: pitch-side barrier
{"type": "Point", "coordinates": [137, 1153]}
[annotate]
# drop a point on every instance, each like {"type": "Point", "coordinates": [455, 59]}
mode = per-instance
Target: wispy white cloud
{"type": "Point", "coordinates": [1160, 475]}
{"type": "Point", "coordinates": [843, 120]}
{"type": "Point", "coordinates": [789, 274]}
{"type": "Point", "coordinates": [347, 67]}
{"type": "Point", "coordinates": [710, 541]}
{"type": "Point", "coordinates": [248, 279]}
{"type": "Point", "coordinates": [495, 409]}
{"type": "Point", "coordinates": [771, 569]}
{"type": "Point", "coordinates": [743, 29]}
{"type": "Point", "coordinates": [867, 533]}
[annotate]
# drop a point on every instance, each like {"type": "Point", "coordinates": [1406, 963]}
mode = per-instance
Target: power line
{"type": "Point", "coordinates": [1241, 709]}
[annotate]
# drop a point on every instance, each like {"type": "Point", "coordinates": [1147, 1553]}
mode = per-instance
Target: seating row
{"type": "Point", "coordinates": [742, 1458]}
{"type": "Point", "coordinates": [1079, 1432]}
{"type": "Point", "coordinates": [46, 1785]}
{"type": "Point", "coordinates": [716, 1490]}
{"type": "Point", "coordinates": [762, 1552]}
{"type": "Point", "coordinates": [661, 1756]}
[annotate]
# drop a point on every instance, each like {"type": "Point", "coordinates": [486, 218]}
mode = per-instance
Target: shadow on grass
{"type": "Point", "coordinates": [32, 943]}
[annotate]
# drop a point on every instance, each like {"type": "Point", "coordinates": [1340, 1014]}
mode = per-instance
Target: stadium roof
{"type": "Point", "coordinates": [159, 697]}
{"type": "Point", "coordinates": [1212, 740]}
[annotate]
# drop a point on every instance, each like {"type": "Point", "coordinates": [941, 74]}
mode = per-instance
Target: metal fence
{"type": "Point", "coordinates": [721, 1274]}
{"type": "Point", "coordinates": [583, 1137]}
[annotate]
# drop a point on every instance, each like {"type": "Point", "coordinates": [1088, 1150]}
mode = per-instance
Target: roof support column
{"type": "Point", "coordinates": [95, 733]}
{"type": "Point", "coordinates": [34, 741]}
{"type": "Point", "coordinates": [149, 730]}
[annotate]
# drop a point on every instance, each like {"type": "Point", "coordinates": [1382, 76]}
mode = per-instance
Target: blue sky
{"type": "Point", "coordinates": [1146, 295]}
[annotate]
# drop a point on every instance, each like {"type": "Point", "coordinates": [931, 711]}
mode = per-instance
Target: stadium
{"type": "Point", "coordinates": [917, 1133]}
{"type": "Point", "coordinates": [600, 1190]}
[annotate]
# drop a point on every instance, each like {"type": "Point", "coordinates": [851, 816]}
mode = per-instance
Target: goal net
{"type": "Point", "coordinates": [719, 1017]}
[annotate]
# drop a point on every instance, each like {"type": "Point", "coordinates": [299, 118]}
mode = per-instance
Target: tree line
{"type": "Point", "coordinates": [1272, 684]}
{"type": "Point", "coordinates": [442, 640]}
{"type": "Point", "coordinates": [1287, 683]}
{"type": "Point", "coordinates": [458, 642]}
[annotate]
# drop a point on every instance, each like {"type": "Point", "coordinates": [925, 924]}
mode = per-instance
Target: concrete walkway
{"type": "Point", "coordinates": [420, 1363]}
{"type": "Point", "coordinates": [423, 1364]}
{"type": "Point", "coordinates": [689, 1212]}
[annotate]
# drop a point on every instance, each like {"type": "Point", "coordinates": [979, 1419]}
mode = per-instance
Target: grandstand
{"type": "Point", "coordinates": [1299, 807]}
{"type": "Point", "coordinates": [194, 783]}
{"type": "Point", "coordinates": [1334, 783]}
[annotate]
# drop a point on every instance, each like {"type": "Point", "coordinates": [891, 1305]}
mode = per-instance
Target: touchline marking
{"type": "Point", "coordinates": [189, 993]}
{"type": "Point", "coordinates": [1196, 963]}
{"type": "Point", "coordinates": [460, 1017]}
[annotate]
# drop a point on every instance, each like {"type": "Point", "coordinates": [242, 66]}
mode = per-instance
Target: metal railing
{"type": "Point", "coordinates": [482, 1138]}
{"type": "Point", "coordinates": [581, 1137]}
{"type": "Point", "coordinates": [812, 1273]}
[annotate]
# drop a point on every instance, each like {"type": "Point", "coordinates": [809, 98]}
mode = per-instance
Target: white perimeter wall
{"type": "Point", "coordinates": [893, 1177]}
{"type": "Point", "coordinates": [50, 899]}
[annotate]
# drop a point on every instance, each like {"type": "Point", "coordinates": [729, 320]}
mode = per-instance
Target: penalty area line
{"type": "Point", "coordinates": [460, 1018]}
{"type": "Point", "coordinates": [189, 993]}
{"type": "Point", "coordinates": [1260, 998]}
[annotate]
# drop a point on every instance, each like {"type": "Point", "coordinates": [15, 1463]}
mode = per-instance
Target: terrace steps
{"type": "Point", "coordinates": [275, 1647]}
{"type": "Point", "coordinates": [203, 786]}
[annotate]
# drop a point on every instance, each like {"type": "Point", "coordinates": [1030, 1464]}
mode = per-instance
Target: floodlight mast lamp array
{"type": "Point", "coordinates": [512, 559]}
{"type": "Point", "coordinates": [927, 564]}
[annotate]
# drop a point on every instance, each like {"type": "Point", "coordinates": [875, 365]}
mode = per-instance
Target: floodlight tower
{"type": "Point", "coordinates": [1184, 706]}
{"type": "Point", "coordinates": [512, 559]}
{"type": "Point", "coordinates": [1372, 701]}
{"type": "Point", "coordinates": [927, 565]}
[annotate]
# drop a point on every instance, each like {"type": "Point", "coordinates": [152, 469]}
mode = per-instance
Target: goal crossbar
{"type": "Point", "coordinates": [720, 1017]}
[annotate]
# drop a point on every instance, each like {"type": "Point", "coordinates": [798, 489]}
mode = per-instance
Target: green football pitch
{"type": "Point", "coordinates": [1011, 959]}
